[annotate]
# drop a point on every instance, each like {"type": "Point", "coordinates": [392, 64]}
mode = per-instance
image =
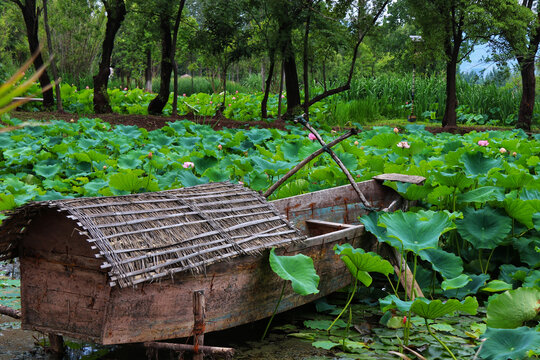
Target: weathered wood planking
{"type": "Point", "coordinates": [339, 204]}
{"type": "Point", "coordinates": [413, 179]}
{"type": "Point", "coordinates": [238, 292]}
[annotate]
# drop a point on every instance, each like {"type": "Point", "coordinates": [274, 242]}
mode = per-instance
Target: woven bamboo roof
{"type": "Point", "coordinates": [150, 236]}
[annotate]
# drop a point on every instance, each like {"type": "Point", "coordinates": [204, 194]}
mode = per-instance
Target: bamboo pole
{"type": "Point", "coordinates": [307, 160]}
{"type": "Point", "coordinates": [336, 159]}
{"type": "Point", "coordinates": [186, 347]}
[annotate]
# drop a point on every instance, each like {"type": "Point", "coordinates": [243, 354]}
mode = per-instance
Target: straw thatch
{"type": "Point", "coordinates": [145, 237]}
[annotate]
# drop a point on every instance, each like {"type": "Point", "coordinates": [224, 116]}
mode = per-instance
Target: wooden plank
{"type": "Point", "coordinates": [62, 299]}
{"type": "Point", "coordinates": [413, 179]}
{"type": "Point", "coordinates": [27, 99]}
{"type": "Point", "coordinates": [339, 204]}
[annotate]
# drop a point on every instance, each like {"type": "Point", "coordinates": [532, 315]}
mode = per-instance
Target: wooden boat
{"type": "Point", "coordinates": [124, 269]}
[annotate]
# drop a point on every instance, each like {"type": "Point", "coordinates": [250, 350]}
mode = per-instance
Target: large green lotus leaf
{"type": "Point", "coordinates": [497, 286]}
{"type": "Point", "coordinates": [522, 210]}
{"type": "Point", "coordinates": [370, 222]}
{"type": "Point", "coordinates": [484, 228]}
{"type": "Point", "coordinates": [472, 287]}
{"type": "Point", "coordinates": [445, 263]}
{"type": "Point", "coordinates": [529, 194]}
{"type": "Point", "coordinates": [189, 142]}
{"type": "Point", "coordinates": [527, 250]}
{"type": "Point", "coordinates": [383, 141]}
{"type": "Point", "coordinates": [215, 174]}
{"type": "Point", "coordinates": [416, 230]}
{"type": "Point", "coordinates": [456, 283]}
{"type": "Point", "coordinates": [532, 280]}
{"type": "Point", "coordinates": [361, 263]}
{"type": "Point", "coordinates": [439, 195]}
{"type": "Point", "coordinates": [512, 308]}
{"type": "Point", "coordinates": [512, 274]}
{"type": "Point", "coordinates": [416, 192]}
{"type": "Point", "coordinates": [433, 309]}
{"type": "Point", "coordinates": [393, 302]}
{"type": "Point", "coordinates": [504, 344]}
{"type": "Point", "coordinates": [130, 161]}
{"type": "Point", "coordinates": [129, 131]}
{"type": "Point", "coordinates": [132, 182]}
{"type": "Point", "coordinates": [482, 195]}
{"type": "Point", "coordinates": [476, 164]}
{"type": "Point", "coordinates": [203, 163]}
{"type": "Point", "coordinates": [516, 179]}
{"type": "Point", "coordinates": [160, 139]}
{"type": "Point", "coordinates": [298, 269]}
{"type": "Point", "coordinates": [93, 187]}
{"type": "Point", "coordinates": [290, 150]}
{"type": "Point", "coordinates": [7, 202]}
{"type": "Point", "coordinates": [47, 171]}
{"type": "Point", "coordinates": [187, 178]}
{"type": "Point", "coordinates": [455, 179]}
{"type": "Point", "coordinates": [258, 136]}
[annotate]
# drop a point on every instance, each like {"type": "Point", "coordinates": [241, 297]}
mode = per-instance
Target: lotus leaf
{"type": "Point", "coordinates": [504, 344]}
{"type": "Point", "coordinates": [361, 263]}
{"type": "Point", "coordinates": [456, 179]}
{"type": "Point", "coordinates": [484, 228]}
{"type": "Point", "coordinates": [447, 264]}
{"type": "Point", "coordinates": [416, 231]}
{"type": "Point", "coordinates": [456, 283]}
{"type": "Point", "coordinates": [298, 269]}
{"type": "Point", "coordinates": [433, 309]}
{"type": "Point", "coordinates": [523, 210]}
{"type": "Point", "coordinates": [393, 302]}
{"type": "Point", "coordinates": [512, 308]}
{"type": "Point", "coordinates": [482, 195]}
{"type": "Point", "coordinates": [497, 286]}
{"type": "Point", "coordinates": [477, 281]}
{"type": "Point", "coordinates": [476, 164]}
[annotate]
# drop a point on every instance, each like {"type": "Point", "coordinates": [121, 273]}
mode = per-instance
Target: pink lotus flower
{"type": "Point", "coordinates": [211, 102]}
{"type": "Point", "coordinates": [396, 130]}
{"type": "Point", "coordinates": [104, 167]}
{"type": "Point", "coordinates": [311, 136]}
{"type": "Point", "coordinates": [241, 183]}
{"type": "Point", "coordinates": [236, 91]}
{"type": "Point", "coordinates": [229, 104]}
{"type": "Point", "coordinates": [188, 164]}
{"type": "Point", "coordinates": [150, 155]}
{"type": "Point", "coordinates": [356, 143]}
{"type": "Point", "coordinates": [125, 89]}
{"type": "Point", "coordinates": [233, 98]}
{"type": "Point", "coordinates": [403, 145]}
{"type": "Point", "coordinates": [503, 150]}
{"type": "Point", "coordinates": [87, 87]}
{"type": "Point", "coordinates": [184, 95]}
{"type": "Point", "coordinates": [283, 96]}
{"type": "Point", "coordinates": [514, 153]}
{"type": "Point", "coordinates": [483, 142]}
{"type": "Point", "coordinates": [219, 147]}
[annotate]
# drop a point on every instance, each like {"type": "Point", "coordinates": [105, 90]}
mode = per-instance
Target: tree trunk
{"type": "Point", "coordinates": [224, 83]}
{"type": "Point", "coordinates": [116, 11]}
{"type": "Point", "coordinates": [31, 20]}
{"type": "Point", "coordinates": [158, 103]}
{"type": "Point", "coordinates": [291, 84]}
{"type": "Point", "coordinates": [526, 106]}
{"type": "Point", "coordinates": [148, 71]}
{"type": "Point", "coordinates": [262, 75]}
{"type": "Point", "coordinates": [306, 66]}
{"type": "Point", "coordinates": [173, 60]}
{"type": "Point", "coordinates": [53, 62]}
{"type": "Point", "coordinates": [264, 103]}
{"type": "Point", "coordinates": [449, 118]}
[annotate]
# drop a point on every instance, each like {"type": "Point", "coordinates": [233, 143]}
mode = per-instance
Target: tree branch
{"type": "Point", "coordinates": [347, 85]}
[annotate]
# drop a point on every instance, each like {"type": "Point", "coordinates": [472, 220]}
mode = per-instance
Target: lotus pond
{"type": "Point", "coordinates": [472, 238]}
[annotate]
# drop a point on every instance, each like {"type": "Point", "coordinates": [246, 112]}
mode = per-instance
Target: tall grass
{"type": "Point", "coordinates": [389, 96]}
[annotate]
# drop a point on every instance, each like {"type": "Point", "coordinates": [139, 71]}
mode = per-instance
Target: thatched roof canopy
{"type": "Point", "coordinates": [149, 236]}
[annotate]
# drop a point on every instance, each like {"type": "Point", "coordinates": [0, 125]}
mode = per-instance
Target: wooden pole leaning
{"type": "Point", "coordinates": [338, 161]}
{"type": "Point", "coordinates": [300, 165]}
{"type": "Point", "coordinates": [198, 326]}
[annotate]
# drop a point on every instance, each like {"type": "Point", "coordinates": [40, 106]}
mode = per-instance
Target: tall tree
{"type": "Point", "coordinates": [31, 14]}
{"type": "Point", "coordinates": [451, 27]}
{"type": "Point", "coordinates": [518, 23]}
{"type": "Point", "coordinates": [116, 12]}
{"type": "Point", "coordinates": [53, 62]}
{"type": "Point", "coordinates": [223, 35]}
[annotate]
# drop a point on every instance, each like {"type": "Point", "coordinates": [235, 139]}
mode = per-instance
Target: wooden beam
{"type": "Point", "coordinates": [186, 347]}
{"type": "Point", "coordinates": [198, 326]}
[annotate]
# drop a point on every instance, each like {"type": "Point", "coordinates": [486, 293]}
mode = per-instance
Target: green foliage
{"type": "Point", "coordinates": [513, 308]}
{"type": "Point", "coordinates": [504, 344]}
{"type": "Point", "coordinates": [298, 269]}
